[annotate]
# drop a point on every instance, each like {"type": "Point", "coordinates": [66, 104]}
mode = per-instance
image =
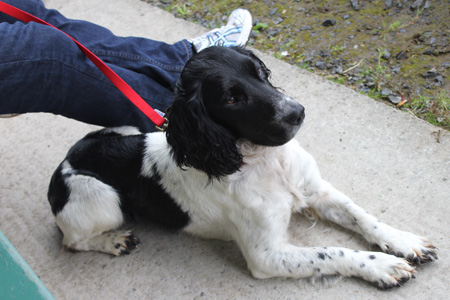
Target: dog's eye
{"type": "Point", "coordinates": [231, 100]}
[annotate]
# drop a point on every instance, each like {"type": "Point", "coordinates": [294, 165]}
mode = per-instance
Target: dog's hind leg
{"type": "Point", "coordinates": [90, 215]}
{"type": "Point", "coordinates": [111, 242]}
{"type": "Point", "coordinates": [334, 206]}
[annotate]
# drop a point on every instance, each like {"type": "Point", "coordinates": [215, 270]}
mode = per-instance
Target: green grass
{"type": "Point", "coordinates": [436, 110]}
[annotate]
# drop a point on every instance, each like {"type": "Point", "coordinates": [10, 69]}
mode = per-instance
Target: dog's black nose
{"type": "Point", "coordinates": [296, 115]}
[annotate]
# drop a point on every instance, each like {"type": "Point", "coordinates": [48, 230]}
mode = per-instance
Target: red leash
{"type": "Point", "coordinates": [159, 121]}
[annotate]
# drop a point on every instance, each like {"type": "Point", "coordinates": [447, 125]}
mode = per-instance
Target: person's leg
{"type": "Point", "coordinates": [156, 59]}
{"type": "Point", "coordinates": [41, 70]}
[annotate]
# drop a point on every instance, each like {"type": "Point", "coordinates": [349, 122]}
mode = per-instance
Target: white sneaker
{"type": "Point", "coordinates": [235, 33]}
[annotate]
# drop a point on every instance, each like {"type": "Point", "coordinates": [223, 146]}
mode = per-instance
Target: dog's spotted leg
{"type": "Point", "coordinates": [332, 205]}
{"type": "Point", "coordinates": [386, 271]}
{"type": "Point", "coordinates": [263, 239]}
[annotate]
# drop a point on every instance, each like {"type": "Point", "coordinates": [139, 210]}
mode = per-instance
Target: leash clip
{"type": "Point", "coordinates": [164, 126]}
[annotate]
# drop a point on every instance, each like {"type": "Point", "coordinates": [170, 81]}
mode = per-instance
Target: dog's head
{"type": "Point", "coordinates": [224, 95]}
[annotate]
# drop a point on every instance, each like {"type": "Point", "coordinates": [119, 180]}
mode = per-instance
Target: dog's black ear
{"type": "Point", "coordinates": [199, 142]}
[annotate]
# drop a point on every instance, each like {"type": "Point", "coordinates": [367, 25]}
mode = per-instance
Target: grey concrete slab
{"type": "Point", "coordinates": [388, 161]}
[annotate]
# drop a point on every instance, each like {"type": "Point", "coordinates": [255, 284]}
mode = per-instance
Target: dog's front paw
{"type": "Point", "coordinates": [387, 271]}
{"type": "Point", "coordinates": [416, 249]}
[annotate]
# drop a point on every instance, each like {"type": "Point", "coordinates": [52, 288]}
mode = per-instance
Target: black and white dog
{"type": "Point", "coordinates": [226, 168]}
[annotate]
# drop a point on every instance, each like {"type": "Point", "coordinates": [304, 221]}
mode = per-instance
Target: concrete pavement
{"type": "Point", "coordinates": [388, 161]}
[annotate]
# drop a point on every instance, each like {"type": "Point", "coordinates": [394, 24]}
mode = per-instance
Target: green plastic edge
{"type": "Point", "coordinates": [17, 280]}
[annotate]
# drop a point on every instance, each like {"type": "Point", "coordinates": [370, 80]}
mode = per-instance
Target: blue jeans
{"type": "Point", "coordinates": [42, 70]}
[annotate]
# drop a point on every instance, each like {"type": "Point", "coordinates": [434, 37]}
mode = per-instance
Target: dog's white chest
{"type": "Point", "coordinates": [264, 192]}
